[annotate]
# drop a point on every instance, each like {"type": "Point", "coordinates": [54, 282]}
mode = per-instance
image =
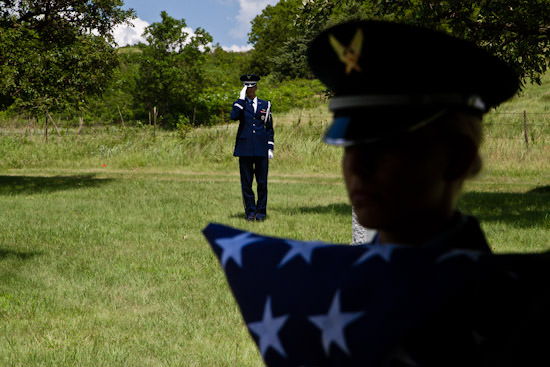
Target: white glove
{"type": "Point", "coordinates": [269, 153]}
{"type": "Point", "coordinates": [243, 93]}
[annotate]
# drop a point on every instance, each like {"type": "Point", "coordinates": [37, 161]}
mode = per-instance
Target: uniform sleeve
{"type": "Point", "coordinates": [237, 110]}
{"type": "Point", "coordinates": [270, 132]}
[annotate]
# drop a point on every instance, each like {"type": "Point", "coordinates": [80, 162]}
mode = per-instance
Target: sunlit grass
{"type": "Point", "coordinates": [112, 271]}
{"type": "Point", "coordinates": [102, 259]}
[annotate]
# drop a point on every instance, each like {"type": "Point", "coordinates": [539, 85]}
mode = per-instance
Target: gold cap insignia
{"type": "Point", "coordinates": [349, 55]}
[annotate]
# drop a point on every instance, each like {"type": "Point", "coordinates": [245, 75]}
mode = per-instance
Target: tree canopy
{"type": "Point", "coordinates": [171, 73]}
{"type": "Point", "coordinates": [269, 31]}
{"type": "Point", "coordinates": [56, 53]}
{"type": "Point", "coordinates": [59, 55]}
{"type": "Point", "coordinates": [518, 31]}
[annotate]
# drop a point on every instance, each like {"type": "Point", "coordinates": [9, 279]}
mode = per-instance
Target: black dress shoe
{"type": "Point", "coordinates": [251, 217]}
{"type": "Point", "coordinates": [260, 217]}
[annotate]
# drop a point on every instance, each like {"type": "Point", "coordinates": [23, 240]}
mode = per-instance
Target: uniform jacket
{"type": "Point", "coordinates": [494, 320]}
{"type": "Point", "coordinates": [255, 133]}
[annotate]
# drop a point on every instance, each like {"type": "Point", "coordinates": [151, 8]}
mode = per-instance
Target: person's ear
{"type": "Point", "coordinates": [462, 153]}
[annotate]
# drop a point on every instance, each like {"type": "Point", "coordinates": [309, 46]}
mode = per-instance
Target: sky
{"type": "Point", "coordinates": [227, 21]}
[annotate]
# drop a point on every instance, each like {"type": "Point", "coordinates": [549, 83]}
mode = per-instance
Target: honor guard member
{"type": "Point", "coordinates": [408, 105]}
{"type": "Point", "coordinates": [254, 145]}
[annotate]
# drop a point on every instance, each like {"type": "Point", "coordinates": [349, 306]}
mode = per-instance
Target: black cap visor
{"type": "Point", "coordinates": [371, 125]}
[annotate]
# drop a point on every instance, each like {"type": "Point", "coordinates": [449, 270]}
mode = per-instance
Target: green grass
{"type": "Point", "coordinates": [107, 266]}
{"type": "Point", "coordinates": [102, 259]}
{"type": "Point", "coordinates": [111, 269]}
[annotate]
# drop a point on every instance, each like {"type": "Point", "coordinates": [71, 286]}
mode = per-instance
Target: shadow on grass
{"type": "Point", "coordinates": [17, 254]}
{"type": "Point", "coordinates": [14, 185]}
{"type": "Point", "coordinates": [521, 210]}
{"type": "Point", "coordinates": [337, 209]}
{"type": "Point", "coordinates": [540, 190]}
{"type": "Point", "coordinates": [239, 215]}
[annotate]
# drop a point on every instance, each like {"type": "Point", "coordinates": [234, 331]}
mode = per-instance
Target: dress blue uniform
{"type": "Point", "coordinates": [254, 139]}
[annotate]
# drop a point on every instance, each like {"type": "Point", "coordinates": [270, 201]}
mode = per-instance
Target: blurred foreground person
{"type": "Point", "coordinates": [407, 109]}
{"type": "Point", "coordinates": [408, 105]}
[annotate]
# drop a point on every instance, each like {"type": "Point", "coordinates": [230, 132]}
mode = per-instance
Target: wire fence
{"type": "Point", "coordinates": [531, 128]}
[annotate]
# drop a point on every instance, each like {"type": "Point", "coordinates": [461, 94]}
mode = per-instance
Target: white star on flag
{"type": "Point", "coordinates": [232, 247]}
{"type": "Point", "coordinates": [267, 330]}
{"type": "Point", "coordinates": [384, 251]}
{"type": "Point", "coordinates": [298, 248]}
{"type": "Point", "coordinates": [473, 255]}
{"type": "Point", "coordinates": [333, 323]}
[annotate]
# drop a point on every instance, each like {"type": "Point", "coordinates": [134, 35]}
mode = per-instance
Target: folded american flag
{"type": "Point", "coordinates": [319, 304]}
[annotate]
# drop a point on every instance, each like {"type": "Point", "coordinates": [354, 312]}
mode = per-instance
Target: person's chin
{"type": "Point", "coordinates": [369, 216]}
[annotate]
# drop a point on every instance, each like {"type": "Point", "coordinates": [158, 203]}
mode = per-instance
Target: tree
{"type": "Point", "coordinates": [171, 76]}
{"type": "Point", "coordinates": [517, 31]}
{"type": "Point", "coordinates": [281, 33]}
{"type": "Point", "coordinates": [291, 61]}
{"type": "Point", "coordinates": [55, 54]}
{"type": "Point", "coordinates": [120, 93]}
{"type": "Point", "coordinates": [269, 31]}
{"type": "Point", "coordinates": [221, 82]}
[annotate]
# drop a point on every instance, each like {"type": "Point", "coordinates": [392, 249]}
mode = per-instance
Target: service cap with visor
{"type": "Point", "coordinates": [390, 78]}
{"type": "Point", "coordinates": [250, 80]}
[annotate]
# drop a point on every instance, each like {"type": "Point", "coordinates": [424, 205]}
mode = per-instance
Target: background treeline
{"type": "Point", "coordinates": [57, 57]}
{"type": "Point", "coordinates": [204, 98]}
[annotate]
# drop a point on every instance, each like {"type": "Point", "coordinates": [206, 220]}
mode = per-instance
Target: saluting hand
{"type": "Point", "coordinates": [243, 93]}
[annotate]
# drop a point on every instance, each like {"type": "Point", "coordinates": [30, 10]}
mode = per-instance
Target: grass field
{"type": "Point", "coordinates": [111, 269]}
{"type": "Point", "coordinates": [102, 260]}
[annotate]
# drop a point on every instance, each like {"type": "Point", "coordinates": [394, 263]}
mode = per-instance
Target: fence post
{"type": "Point", "coordinates": [121, 119]}
{"type": "Point", "coordinates": [80, 123]}
{"type": "Point", "coordinates": [525, 129]}
{"type": "Point", "coordinates": [155, 121]}
{"type": "Point", "coordinates": [46, 129]}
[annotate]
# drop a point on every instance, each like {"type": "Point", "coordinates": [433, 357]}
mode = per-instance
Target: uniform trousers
{"type": "Point", "coordinates": [251, 167]}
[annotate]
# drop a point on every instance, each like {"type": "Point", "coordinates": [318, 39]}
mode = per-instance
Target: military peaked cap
{"type": "Point", "coordinates": [389, 78]}
{"type": "Point", "coordinates": [250, 80]}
